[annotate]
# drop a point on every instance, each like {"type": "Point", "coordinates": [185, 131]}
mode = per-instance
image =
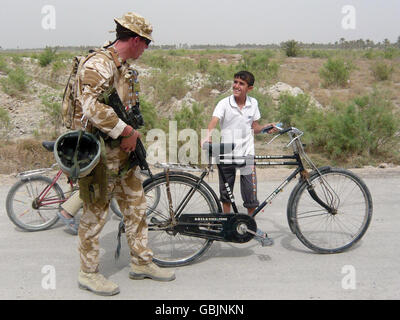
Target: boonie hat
{"type": "Point", "coordinates": [137, 24]}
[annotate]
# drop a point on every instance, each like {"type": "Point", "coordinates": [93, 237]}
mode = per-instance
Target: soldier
{"type": "Point", "coordinates": [100, 73]}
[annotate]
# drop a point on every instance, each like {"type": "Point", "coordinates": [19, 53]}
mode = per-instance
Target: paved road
{"type": "Point", "coordinates": [288, 270]}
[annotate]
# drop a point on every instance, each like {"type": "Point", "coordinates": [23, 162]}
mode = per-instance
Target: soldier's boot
{"type": "Point", "coordinates": [151, 271]}
{"type": "Point", "coordinates": [97, 283]}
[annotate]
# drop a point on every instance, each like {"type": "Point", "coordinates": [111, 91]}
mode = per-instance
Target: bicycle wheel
{"type": "Point", "coordinates": [28, 208]}
{"type": "Point", "coordinates": [338, 230]}
{"type": "Point", "coordinates": [171, 248]}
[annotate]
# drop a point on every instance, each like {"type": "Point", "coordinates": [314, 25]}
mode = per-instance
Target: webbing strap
{"type": "Point", "coordinates": [75, 169]}
{"type": "Point", "coordinates": [115, 57]}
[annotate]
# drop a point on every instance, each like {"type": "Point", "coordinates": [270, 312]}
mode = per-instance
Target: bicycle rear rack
{"type": "Point", "coordinates": [178, 167]}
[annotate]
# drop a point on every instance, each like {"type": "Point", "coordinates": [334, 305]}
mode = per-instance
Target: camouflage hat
{"type": "Point", "coordinates": [137, 24]}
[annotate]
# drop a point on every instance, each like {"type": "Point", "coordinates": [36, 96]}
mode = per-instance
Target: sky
{"type": "Point", "coordinates": [28, 24]}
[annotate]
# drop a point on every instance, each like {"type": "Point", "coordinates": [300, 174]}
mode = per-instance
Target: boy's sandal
{"type": "Point", "coordinates": [70, 223]}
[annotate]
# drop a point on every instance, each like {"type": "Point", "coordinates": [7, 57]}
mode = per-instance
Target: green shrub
{"type": "Point", "coordinates": [335, 72]}
{"type": "Point", "coordinates": [5, 123]}
{"type": "Point", "coordinates": [16, 82]}
{"type": "Point", "coordinates": [51, 105]}
{"type": "Point", "coordinates": [258, 62]}
{"type": "Point", "coordinates": [151, 118]}
{"type": "Point", "coordinates": [156, 60]}
{"type": "Point", "coordinates": [293, 108]}
{"type": "Point", "coordinates": [365, 127]}
{"type": "Point", "coordinates": [3, 65]}
{"type": "Point", "coordinates": [382, 71]}
{"type": "Point", "coordinates": [203, 65]}
{"type": "Point", "coordinates": [319, 54]}
{"type": "Point", "coordinates": [219, 76]}
{"type": "Point", "coordinates": [291, 48]}
{"type": "Point", "coordinates": [167, 86]}
{"type": "Point", "coordinates": [47, 56]}
{"type": "Point", "coordinates": [370, 54]}
{"type": "Point", "coordinates": [390, 53]}
{"type": "Point", "coordinates": [192, 117]}
{"type": "Point", "coordinates": [17, 59]}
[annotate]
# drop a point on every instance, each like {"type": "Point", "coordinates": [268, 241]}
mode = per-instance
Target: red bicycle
{"type": "Point", "coordinates": [34, 200]}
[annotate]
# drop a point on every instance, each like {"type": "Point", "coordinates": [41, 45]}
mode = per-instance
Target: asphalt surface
{"type": "Point", "coordinates": [44, 265]}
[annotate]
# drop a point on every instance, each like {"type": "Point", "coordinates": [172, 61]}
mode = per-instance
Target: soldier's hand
{"type": "Point", "coordinates": [128, 143]}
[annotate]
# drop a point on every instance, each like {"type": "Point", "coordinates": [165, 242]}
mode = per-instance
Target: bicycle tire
{"type": "Point", "coordinates": [325, 232]}
{"type": "Point", "coordinates": [20, 204]}
{"type": "Point", "coordinates": [173, 249]}
{"type": "Point", "coordinates": [195, 179]}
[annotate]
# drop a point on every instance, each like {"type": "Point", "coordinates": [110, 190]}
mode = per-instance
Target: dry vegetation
{"type": "Point", "coordinates": [186, 84]}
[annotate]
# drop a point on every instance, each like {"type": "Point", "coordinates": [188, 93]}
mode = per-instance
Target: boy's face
{"type": "Point", "coordinates": [240, 88]}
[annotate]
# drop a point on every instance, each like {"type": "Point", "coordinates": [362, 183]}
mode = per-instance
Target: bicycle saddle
{"type": "Point", "coordinates": [48, 145]}
{"type": "Point", "coordinates": [216, 149]}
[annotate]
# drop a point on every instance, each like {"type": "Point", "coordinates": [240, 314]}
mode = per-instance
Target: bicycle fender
{"type": "Point", "coordinates": [301, 181]}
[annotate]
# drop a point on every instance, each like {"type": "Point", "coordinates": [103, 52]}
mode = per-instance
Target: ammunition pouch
{"type": "Point", "coordinates": [93, 187]}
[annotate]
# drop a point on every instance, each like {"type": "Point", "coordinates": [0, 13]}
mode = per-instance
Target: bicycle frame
{"type": "Point", "coordinates": [41, 200]}
{"type": "Point", "coordinates": [292, 160]}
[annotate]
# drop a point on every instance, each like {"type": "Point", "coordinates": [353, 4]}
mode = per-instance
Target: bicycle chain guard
{"type": "Point", "coordinates": [219, 227]}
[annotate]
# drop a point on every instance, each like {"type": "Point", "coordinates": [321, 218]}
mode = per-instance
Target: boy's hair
{"type": "Point", "coordinates": [246, 76]}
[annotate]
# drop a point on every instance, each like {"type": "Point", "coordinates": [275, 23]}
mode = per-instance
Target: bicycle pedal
{"type": "Point", "coordinates": [265, 242]}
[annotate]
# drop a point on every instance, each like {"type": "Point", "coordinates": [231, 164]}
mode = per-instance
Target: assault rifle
{"type": "Point", "coordinates": [134, 118]}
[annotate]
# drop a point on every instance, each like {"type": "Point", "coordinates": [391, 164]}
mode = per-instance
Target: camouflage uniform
{"type": "Point", "coordinates": [101, 72]}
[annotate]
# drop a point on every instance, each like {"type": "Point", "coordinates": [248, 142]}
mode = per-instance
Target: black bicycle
{"type": "Point", "coordinates": [329, 210]}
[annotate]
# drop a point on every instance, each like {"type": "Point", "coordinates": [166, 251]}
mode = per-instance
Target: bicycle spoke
{"type": "Point", "coordinates": [332, 232]}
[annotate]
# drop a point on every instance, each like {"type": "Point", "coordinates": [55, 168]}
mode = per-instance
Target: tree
{"type": "Point", "coordinates": [291, 48]}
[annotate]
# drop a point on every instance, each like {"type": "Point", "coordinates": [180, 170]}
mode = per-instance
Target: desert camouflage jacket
{"type": "Point", "coordinates": [100, 73]}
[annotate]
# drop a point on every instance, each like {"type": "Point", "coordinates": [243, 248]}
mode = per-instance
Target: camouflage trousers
{"type": "Point", "coordinates": [128, 191]}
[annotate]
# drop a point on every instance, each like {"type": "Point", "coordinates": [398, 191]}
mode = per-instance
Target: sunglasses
{"type": "Point", "coordinates": [148, 41]}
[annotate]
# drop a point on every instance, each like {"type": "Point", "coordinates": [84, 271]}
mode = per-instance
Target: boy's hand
{"type": "Point", "coordinates": [270, 128]}
{"type": "Point", "coordinates": [207, 140]}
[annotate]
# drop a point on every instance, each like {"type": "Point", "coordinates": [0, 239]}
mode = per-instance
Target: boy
{"type": "Point", "coordinates": [238, 115]}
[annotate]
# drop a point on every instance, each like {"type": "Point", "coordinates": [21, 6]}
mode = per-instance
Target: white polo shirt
{"type": "Point", "coordinates": [236, 124]}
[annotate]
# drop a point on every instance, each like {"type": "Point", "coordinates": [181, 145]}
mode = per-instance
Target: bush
{"type": "Point", "coordinates": [167, 86]}
{"type": "Point", "coordinates": [335, 72]}
{"type": "Point", "coordinates": [51, 105]}
{"type": "Point", "coordinates": [47, 56]}
{"type": "Point", "coordinates": [5, 123]}
{"type": "Point", "coordinates": [320, 54]}
{"type": "Point", "coordinates": [220, 77]}
{"type": "Point", "coordinates": [203, 65]}
{"type": "Point", "coordinates": [293, 108]}
{"type": "Point", "coordinates": [151, 117]}
{"type": "Point", "coordinates": [291, 48]}
{"type": "Point", "coordinates": [258, 62]}
{"type": "Point", "coordinates": [16, 83]}
{"type": "Point", "coordinates": [3, 65]}
{"type": "Point", "coordinates": [382, 71]}
{"type": "Point", "coordinates": [365, 127]}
